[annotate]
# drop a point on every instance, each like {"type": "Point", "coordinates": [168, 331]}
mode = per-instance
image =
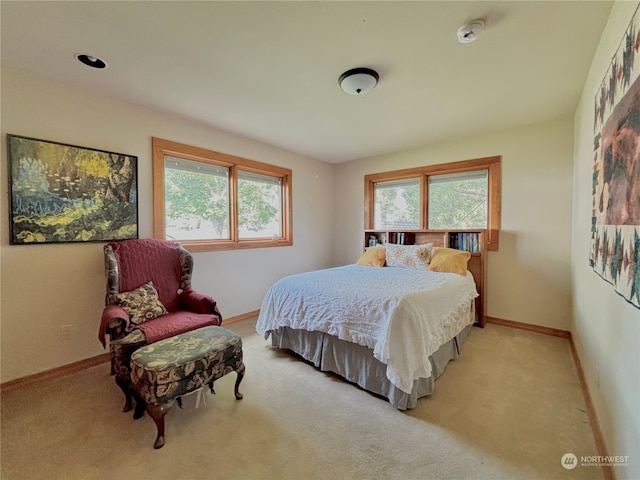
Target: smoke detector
{"type": "Point", "coordinates": [469, 32]}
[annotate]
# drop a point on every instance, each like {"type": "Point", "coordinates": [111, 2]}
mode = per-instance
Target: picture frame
{"type": "Point", "coordinates": [62, 193]}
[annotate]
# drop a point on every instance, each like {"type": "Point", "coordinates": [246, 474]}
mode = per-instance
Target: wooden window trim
{"type": "Point", "coordinates": [161, 148]}
{"type": "Point", "coordinates": [492, 164]}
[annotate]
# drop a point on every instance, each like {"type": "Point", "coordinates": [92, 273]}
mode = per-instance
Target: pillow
{"type": "Point", "coordinates": [142, 304]}
{"type": "Point", "coordinates": [373, 257]}
{"type": "Point", "coordinates": [409, 256]}
{"type": "Point", "coordinates": [449, 260]}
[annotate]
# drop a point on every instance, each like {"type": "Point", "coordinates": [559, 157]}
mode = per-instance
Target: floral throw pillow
{"type": "Point", "coordinates": [409, 256]}
{"type": "Point", "coordinates": [142, 304]}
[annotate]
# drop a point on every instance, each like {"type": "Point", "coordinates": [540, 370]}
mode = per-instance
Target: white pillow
{"type": "Point", "coordinates": [409, 256]}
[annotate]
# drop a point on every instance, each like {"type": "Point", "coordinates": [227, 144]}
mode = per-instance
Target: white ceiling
{"type": "Point", "coordinates": [269, 70]}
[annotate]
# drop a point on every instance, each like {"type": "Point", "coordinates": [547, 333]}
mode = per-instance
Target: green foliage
{"type": "Point", "coordinates": [456, 205]}
{"type": "Point", "coordinates": [256, 204]}
{"type": "Point", "coordinates": [203, 199]}
{"type": "Point", "coordinates": [198, 196]}
{"type": "Point", "coordinates": [398, 207]}
{"type": "Point", "coordinates": [452, 205]}
{"type": "Point", "coordinates": [412, 197]}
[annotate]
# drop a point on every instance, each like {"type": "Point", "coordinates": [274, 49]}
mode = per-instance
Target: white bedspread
{"type": "Point", "coordinates": [403, 315]}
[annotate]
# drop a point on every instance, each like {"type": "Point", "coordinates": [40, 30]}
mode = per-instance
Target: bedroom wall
{"type": "Point", "coordinates": [528, 279]}
{"type": "Point", "coordinates": [606, 328]}
{"type": "Point", "coordinates": [46, 286]}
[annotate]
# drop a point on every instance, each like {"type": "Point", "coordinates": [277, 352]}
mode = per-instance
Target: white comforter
{"type": "Point", "coordinates": [403, 315]}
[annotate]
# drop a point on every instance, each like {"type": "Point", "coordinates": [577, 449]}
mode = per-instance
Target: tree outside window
{"type": "Point", "coordinates": [458, 201]}
{"type": "Point", "coordinates": [397, 204]}
{"type": "Point", "coordinates": [209, 201]}
{"type": "Point", "coordinates": [464, 195]}
{"type": "Point", "coordinates": [196, 200]}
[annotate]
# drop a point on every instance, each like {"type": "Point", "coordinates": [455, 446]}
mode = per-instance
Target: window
{"type": "Point", "coordinates": [452, 196]}
{"type": "Point", "coordinates": [458, 200]}
{"type": "Point", "coordinates": [259, 205]}
{"type": "Point", "coordinates": [196, 200]}
{"type": "Point", "coordinates": [209, 201]}
{"type": "Point", "coordinates": [397, 204]}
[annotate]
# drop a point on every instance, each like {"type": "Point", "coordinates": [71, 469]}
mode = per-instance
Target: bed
{"type": "Point", "coordinates": [390, 330]}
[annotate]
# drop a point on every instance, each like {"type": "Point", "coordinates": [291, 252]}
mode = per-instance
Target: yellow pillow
{"type": "Point", "coordinates": [373, 257]}
{"type": "Point", "coordinates": [449, 260]}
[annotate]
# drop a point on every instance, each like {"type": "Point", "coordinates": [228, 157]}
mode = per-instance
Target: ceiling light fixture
{"type": "Point", "coordinates": [91, 60]}
{"type": "Point", "coordinates": [358, 81]}
{"type": "Point", "coordinates": [469, 32]}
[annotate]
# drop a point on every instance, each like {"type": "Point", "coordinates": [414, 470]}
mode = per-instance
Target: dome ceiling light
{"type": "Point", "coordinates": [469, 32]}
{"type": "Point", "coordinates": [358, 81]}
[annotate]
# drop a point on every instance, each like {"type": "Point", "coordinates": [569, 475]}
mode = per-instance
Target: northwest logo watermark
{"type": "Point", "coordinates": [569, 461]}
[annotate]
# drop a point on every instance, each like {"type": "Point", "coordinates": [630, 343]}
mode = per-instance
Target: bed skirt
{"type": "Point", "coordinates": [357, 364]}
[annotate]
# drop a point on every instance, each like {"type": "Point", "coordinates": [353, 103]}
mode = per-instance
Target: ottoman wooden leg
{"type": "Point", "coordinates": [141, 404]}
{"type": "Point", "coordinates": [157, 412]}
{"type": "Point", "coordinates": [240, 372]}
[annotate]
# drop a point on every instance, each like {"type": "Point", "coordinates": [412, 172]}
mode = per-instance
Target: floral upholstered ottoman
{"type": "Point", "coordinates": [164, 371]}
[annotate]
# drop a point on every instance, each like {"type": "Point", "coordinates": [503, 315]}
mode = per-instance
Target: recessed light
{"type": "Point", "coordinates": [91, 60]}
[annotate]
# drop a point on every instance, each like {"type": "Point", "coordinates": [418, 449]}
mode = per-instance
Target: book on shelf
{"type": "Point", "coordinates": [469, 241]}
{"type": "Point", "coordinates": [402, 238]}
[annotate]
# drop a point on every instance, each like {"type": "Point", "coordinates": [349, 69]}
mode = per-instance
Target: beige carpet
{"type": "Point", "coordinates": [509, 407]}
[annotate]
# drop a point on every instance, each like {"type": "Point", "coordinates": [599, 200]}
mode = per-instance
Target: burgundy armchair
{"type": "Point", "coordinates": [132, 264]}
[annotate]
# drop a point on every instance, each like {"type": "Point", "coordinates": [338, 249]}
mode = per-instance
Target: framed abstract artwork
{"type": "Point", "coordinates": [63, 193]}
{"type": "Point", "coordinates": [615, 225]}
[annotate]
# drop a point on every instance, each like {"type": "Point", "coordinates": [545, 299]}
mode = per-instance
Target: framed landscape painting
{"type": "Point", "coordinates": [66, 193]}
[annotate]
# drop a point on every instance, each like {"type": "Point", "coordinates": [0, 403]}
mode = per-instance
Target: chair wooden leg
{"type": "Point", "coordinates": [240, 373]}
{"type": "Point", "coordinates": [125, 386]}
{"type": "Point", "coordinates": [157, 412]}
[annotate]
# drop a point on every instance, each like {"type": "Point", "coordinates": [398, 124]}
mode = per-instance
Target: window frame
{"type": "Point", "coordinates": [162, 148]}
{"type": "Point", "coordinates": [491, 164]}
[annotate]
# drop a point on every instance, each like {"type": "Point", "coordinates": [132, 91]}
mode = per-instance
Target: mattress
{"type": "Point", "coordinates": [402, 315]}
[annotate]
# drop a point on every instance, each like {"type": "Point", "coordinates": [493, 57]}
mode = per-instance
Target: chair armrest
{"type": "Point", "coordinates": [113, 318]}
{"type": "Point", "coordinates": [198, 303]}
